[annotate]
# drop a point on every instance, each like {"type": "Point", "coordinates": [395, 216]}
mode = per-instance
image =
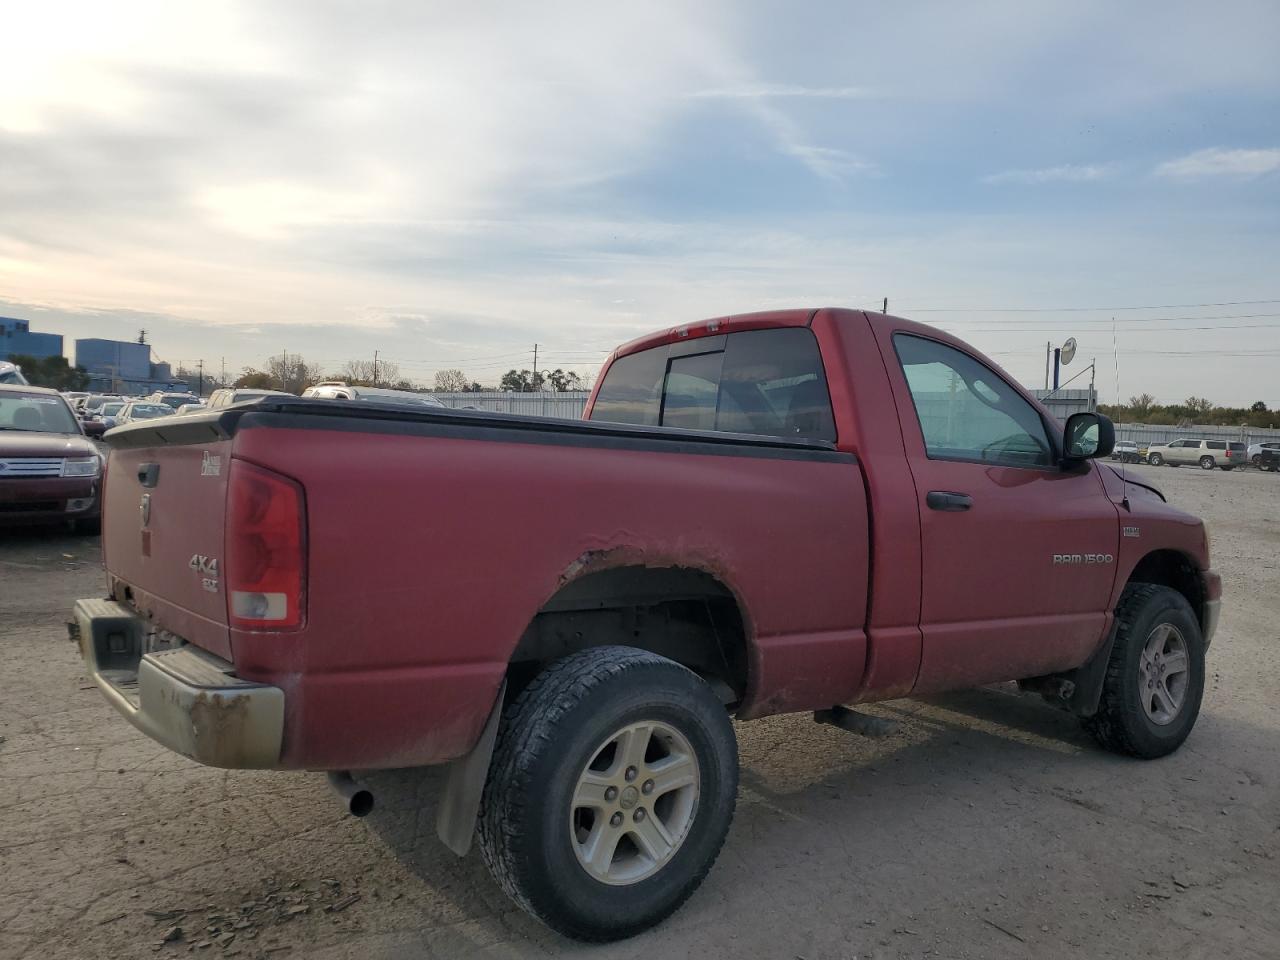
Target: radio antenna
{"type": "Point", "coordinates": [1115, 353]}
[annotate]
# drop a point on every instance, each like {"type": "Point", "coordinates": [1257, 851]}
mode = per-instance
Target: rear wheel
{"type": "Point", "coordinates": [1155, 677]}
{"type": "Point", "coordinates": [1155, 459]}
{"type": "Point", "coordinates": [1206, 463]}
{"type": "Point", "coordinates": [610, 792]}
{"type": "Point", "coordinates": [1257, 459]}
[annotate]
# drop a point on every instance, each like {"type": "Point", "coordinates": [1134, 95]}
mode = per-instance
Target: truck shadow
{"type": "Point", "coordinates": [960, 765]}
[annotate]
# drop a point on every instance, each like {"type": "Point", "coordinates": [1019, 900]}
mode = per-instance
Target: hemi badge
{"type": "Point", "coordinates": [1132, 532]}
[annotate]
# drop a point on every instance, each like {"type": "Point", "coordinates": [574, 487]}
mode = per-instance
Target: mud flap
{"type": "Point", "coordinates": [1088, 678]}
{"type": "Point", "coordinates": [460, 802]}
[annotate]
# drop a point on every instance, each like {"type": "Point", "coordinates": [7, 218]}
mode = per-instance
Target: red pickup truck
{"type": "Point", "coordinates": [789, 511]}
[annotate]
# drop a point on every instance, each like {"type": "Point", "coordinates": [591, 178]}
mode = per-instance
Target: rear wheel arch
{"type": "Point", "coordinates": [682, 612]}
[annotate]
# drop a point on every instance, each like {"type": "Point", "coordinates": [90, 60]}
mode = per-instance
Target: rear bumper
{"type": "Point", "coordinates": [184, 698]}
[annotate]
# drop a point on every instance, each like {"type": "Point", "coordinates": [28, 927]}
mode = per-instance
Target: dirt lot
{"type": "Point", "coordinates": [990, 826]}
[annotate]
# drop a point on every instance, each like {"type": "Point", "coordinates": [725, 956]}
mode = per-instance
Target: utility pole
{"type": "Point", "coordinates": [375, 368]}
{"type": "Point", "coordinates": [533, 380]}
{"type": "Point", "coordinates": [885, 307]}
{"type": "Point", "coordinates": [200, 389]}
{"type": "Point", "coordinates": [222, 381]}
{"type": "Point", "coordinates": [1093, 372]}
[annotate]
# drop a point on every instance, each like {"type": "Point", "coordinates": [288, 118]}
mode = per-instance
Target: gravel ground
{"type": "Point", "coordinates": [988, 827]}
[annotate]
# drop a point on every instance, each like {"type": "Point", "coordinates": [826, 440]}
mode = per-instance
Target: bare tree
{"type": "Point", "coordinates": [1198, 406]}
{"type": "Point", "coordinates": [361, 373]}
{"type": "Point", "coordinates": [1140, 406]}
{"type": "Point", "coordinates": [291, 373]}
{"type": "Point", "coordinates": [451, 381]}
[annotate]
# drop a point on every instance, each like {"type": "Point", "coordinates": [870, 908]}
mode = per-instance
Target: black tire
{"type": "Point", "coordinates": [1121, 724]}
{"type": "Point", "coordinates": [1155, 459]}
{"type": "Point", "coordinates": [1207, 463]}
{"type": "Point", "coordinates": [547, 737]}
{"type": "Point", "coordinates": [1257, 459]}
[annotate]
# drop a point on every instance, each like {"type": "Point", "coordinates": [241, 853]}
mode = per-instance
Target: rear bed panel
{"type": "Point", "coordinates": [163, 537]}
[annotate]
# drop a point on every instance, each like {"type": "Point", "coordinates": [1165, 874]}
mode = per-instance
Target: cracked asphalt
{"type": "Point", "coordinates": [988, 826]}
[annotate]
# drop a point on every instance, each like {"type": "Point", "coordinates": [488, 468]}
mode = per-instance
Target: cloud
{"type": "Point", "coordinates": [1217, 162]}
{"type": "Point", "coordinates": [1067, 173]}
{"type": "Point", "coordinates": [760, 91]}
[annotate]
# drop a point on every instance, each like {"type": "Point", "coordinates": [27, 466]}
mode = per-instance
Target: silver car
{"type": "Point", "coordinates": [1255, 450]}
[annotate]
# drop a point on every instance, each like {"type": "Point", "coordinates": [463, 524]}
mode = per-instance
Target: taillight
{"type": "Point", "coordinates": [266, 575]}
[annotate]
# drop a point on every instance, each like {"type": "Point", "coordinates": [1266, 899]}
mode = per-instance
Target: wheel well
{"type": "Point", "coordinates": [1170, 568]}
{"type": "Point", "coordinates": [681, 613]}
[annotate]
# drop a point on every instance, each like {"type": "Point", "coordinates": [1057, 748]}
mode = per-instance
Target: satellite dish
{"type": "Point", "coordinates": [1068, 350]}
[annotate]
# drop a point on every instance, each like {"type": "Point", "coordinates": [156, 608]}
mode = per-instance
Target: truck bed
{"type": "Point", "coordinates": [435, 537]}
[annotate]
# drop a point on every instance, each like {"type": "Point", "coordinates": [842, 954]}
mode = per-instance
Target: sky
{"type": "Point", "coordinates": [449, 184]}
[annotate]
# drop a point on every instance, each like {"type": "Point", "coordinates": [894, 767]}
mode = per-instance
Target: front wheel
{"type": "Point", "coordinates": [1206, 463]}
{"type": "Point", "coordinates": [1257, 459]}
{"type": "Point", "coordinates": [1155, 678]}
{"type": "Point", "coordinates": [1155, 459]}
{"type": "Point", "coordinates": [610, 792]}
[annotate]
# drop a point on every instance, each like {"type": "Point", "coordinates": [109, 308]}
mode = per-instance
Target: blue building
{"type": "Point", "coordinates": [16, 337]}
{"type": "Point", "coordinates": [121, 366]}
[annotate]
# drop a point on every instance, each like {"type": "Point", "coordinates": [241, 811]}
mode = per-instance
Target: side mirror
{"type": "Point", "coordinates": [93, 428]}
{"type": "Point", "coordinates": [1088, 435]}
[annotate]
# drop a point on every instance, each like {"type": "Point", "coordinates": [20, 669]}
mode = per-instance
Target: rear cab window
{"type": "Point", "coordinates": [761, 382]}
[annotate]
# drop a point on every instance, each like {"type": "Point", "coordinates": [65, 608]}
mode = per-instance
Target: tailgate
{"type": "Point", "coordinates": [162, 527]}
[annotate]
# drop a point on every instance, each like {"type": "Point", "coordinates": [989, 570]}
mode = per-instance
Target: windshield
{"type": "Point", "coordinates": [9, 373]}
{"type": "Point", "coordinates": [177, 400]}
{"type": "Point", "coordinates": [146, 411]}
{"type": "Point", "coordinates": [111, 409]}
{"type": "Point", "coordinates": [36, 412]}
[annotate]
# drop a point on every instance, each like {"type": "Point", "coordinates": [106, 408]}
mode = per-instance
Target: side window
{"type": "Point", "coordinates": [632, 389]}
{"type": "Point", "coordinates": [692, 392]}
{"type": "Point", "coordinates": [1216, 444]}
{"type": "Point", "coordinates": [966, 412]}
{"type": "Point", "coordinates": [763, 382]}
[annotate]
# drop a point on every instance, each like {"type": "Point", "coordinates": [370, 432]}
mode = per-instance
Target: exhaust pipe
{"type": "Point", "coordinates": [359, 801]}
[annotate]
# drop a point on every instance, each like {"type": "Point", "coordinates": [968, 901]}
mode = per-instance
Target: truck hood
{"type": "Point", "coordinates": [29, 443]}
{"type": "Point", "coordinates": [1128, 478]}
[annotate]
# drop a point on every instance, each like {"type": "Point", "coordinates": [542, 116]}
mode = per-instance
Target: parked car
{"type": "Point", "coordinates": [173, 399]}
{"type": "Point", "coordinates": [195, 407]}
{"type": "Point", "coordinates": [1224, 454]}
{"type": "Point", "coordinates": [228, 395]}
{"type": "Point", "coordinates": [93, 402]}
{"type": "Point", "coordinates": [1269, 459]}
{"type": "Point", "coordinates": [11, 373]}
{"type": "Point", "coordinates": [108, 412]}
{"type": "Point", "coordinates": [345, 391]}
{"type": "Point", "coordinates": [142, 410]}
{"type": "Point", "coordinates": [1127, 451]}
{"type": "Point", "coordinates": [49, 469]}
{"type": "Point", "coordinates": [1255, 450]}
{"type": "Point", "coordinates": [726, 533]}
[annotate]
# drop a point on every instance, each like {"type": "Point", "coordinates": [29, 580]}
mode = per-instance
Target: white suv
{"type": "Point", "coordinates": [1226, 454]}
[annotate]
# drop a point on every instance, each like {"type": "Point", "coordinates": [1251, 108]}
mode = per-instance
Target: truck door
{"type": "Point", "coordinates": [1018, 553]}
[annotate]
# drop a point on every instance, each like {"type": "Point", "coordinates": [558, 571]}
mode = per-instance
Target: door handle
{"type": "Point", "coordinates": [948, 502]}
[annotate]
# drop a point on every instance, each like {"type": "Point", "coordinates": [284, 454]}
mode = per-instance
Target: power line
{"type": "Point", "coordinates": [1156, 306]}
